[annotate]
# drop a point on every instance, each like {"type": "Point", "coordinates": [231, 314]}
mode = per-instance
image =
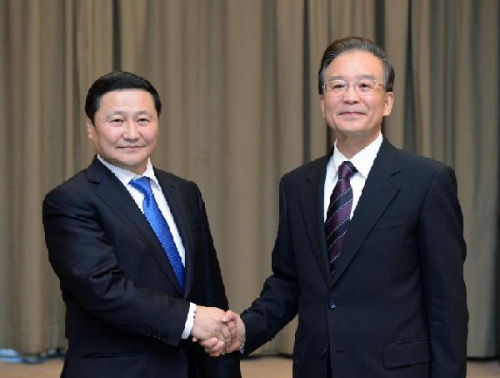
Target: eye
{"type": "Point", "coordinates": [116, 120]}
{"type": "Point", "coordinates": [337, 86]}
{"type": "Point", "coordinates": [143, 120]}
{"type": "Point", "coordinates": [366, 85]}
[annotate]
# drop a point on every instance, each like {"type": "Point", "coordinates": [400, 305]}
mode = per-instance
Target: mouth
{"type": "Point", "coordinates": [351, 116]}
{"type": "Point", "coordinates": [129, 148]}
{"type": "Point", "coordinates": [351, 113]}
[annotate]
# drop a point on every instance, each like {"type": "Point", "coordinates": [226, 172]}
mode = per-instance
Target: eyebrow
{"type": "Point", "coordinates": [121, 112]}
{"type": "Point", "coordinates": [113, 113]}
{"type": "Point", "coordinates": [331, 78]}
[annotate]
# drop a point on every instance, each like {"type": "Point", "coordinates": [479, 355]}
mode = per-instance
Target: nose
{"type": "Point", "coordinates": [131, 131]}
{"type": "Point", "coordinates": [350, 94]}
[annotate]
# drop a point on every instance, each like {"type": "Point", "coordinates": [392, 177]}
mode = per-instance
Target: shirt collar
{"type": "Point", "coordinates": [363, 160]}
{"type": "Point", "coordinates": [124, 175]}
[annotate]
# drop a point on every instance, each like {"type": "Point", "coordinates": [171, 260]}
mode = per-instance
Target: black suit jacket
{"type": "Point", "coordinates": [396, 305]}
{"type": "Point", "coordinates": [124, 310]}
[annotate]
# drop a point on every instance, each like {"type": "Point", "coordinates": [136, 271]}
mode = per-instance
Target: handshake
{"type": "Point", "coordinates": [217, 331]}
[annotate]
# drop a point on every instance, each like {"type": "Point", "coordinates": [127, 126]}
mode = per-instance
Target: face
{"type": "Point", "coordinates": [125, 129]}
{"type": "Point", "coordinates": [351, 115]}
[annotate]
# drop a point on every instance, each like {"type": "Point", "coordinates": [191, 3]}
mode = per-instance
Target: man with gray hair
{"type": "Point", "coordinates": [370, 250]}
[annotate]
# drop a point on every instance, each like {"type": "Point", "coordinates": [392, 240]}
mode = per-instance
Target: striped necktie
{"type": "Point", "coordinates": [339, 213]}
{"type": "Point", "coordinates": [160, 227]}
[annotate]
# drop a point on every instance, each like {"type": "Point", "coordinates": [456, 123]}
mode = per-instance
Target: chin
{"type": "Point", "coordinates": [352, 131]}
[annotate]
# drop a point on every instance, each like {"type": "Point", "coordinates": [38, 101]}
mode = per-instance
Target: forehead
{"type": "Point", "coordinates": [127, 100]}
{"type": "Point", "coordinates": [355, 63]}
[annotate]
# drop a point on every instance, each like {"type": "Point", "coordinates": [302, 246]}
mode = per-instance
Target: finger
{"type": "Point", "coordinates": [218, 350]}
{"type": "Point", "coordinates": [213, 346]}
{"type": "Point", "coordinates": [229, 315]}
{"type": "Point", "coordinates": [232, 326]}
{"type": "Point", "coordinates": [209, 343]}
{"type": "Point", "coordinates": [232, 347]}
{"type": "Point", "coordinates": [226, 333]}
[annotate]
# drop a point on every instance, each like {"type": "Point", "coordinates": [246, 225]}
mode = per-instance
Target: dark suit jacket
{"type": "Point", "coordinates": [396, 305]}
{"type": "Point", "coordinates": [124, 310]}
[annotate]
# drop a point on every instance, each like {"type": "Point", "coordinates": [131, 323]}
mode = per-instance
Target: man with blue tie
{"type": "Point", "coordinates": [370, 250]}
{"type": "Point", "coordinates": [132, 248]}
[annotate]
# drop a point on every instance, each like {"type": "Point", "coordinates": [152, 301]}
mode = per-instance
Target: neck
{"type": "Point", "coordinates": [349, 146]}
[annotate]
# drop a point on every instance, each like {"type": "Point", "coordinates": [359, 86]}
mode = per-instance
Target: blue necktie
{"type": "Point", "coordinates": [160, 227]}
{"type": "Point", "coordinates": [339, 212]}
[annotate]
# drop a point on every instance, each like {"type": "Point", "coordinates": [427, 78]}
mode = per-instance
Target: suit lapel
{"type": "Point", "coordinates": [116, 196]}
{"type": "Point", "coordinates": [379, 191]}
{"type": "Point", "coordinates": [175, 202]}
{"type": "Point", "coordinates": [312, 209]}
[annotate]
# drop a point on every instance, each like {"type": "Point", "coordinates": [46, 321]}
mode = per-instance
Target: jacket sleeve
{"type": "Point", "coordinates": [86, 263]}
{"type": "Point", "coordinates": [277, 304]}
{"type": "Point", "coordinates": [227, 366]}
{"type": "Point", "coordinates": [442, 253]}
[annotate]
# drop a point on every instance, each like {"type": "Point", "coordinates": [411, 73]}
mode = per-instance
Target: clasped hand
{"type": "Point", "coordinates": [217, 331]}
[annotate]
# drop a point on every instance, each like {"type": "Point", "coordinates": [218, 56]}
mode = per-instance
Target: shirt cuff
{"type": "Point", "coordinates": [189, 321]}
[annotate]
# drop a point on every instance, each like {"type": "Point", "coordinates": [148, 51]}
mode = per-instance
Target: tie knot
{"type": "Point", "coordinates": [346, 170]}
{"type": "Point", "coordinates": [143, 185]}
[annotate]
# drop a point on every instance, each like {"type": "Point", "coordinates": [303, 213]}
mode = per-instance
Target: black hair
{"type": "Point", "coordinates": [116, 81]}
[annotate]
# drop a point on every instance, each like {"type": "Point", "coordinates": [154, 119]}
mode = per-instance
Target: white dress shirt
{"type": "Point", "coordinates": [363, 161]}
{"type": "Point", "coordinates": [124, 175]}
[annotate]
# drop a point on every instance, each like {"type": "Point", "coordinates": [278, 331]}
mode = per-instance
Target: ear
{"type": "Point", "coordinates": [388, 103]}
{"type": "Point", "coordinates": [90, 129]}
{"type": "Point", "coordinates": [322, 105]}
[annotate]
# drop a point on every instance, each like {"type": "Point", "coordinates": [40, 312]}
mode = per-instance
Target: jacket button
{"type": "Point", "coordinates": [332, 304]}
{"type": "Point", "coordinates": [324, 353]}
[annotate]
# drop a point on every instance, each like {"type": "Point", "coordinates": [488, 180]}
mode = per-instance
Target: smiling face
{"type": "Point", "coordinates": [125, 128]}
{"type": "Point", "coordinates": [356, 117]}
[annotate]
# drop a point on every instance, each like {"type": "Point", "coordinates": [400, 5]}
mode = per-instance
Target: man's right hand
{"type": "Point", "coordinates": [208, 326]}
{"type": "Point", "coordinates": [237, 329]}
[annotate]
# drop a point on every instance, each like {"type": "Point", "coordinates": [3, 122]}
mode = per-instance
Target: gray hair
{"type": "Point", "coordinates": [350, 44]}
